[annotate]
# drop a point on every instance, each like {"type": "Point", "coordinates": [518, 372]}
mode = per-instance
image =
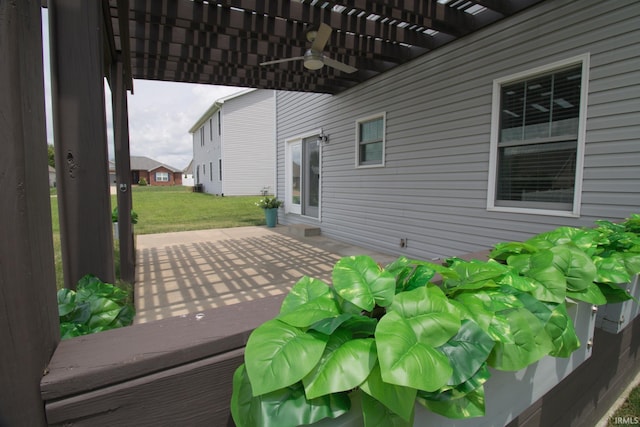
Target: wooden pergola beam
{"type": "Point", "coordinates": [29, 328]}
{"type": "Point", "coordinates": [77, 89]}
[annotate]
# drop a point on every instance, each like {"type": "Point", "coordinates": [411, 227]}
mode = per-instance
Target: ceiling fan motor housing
{"type": "Point", "coordinates": [313, 60]}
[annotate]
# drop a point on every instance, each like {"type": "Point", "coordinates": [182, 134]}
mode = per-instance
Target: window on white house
{"type": "Point", "coordinates": [370, 138]}
{"type": "Point", "coordinates": [537, 143]}
{"type": "Point", "coordinates": [162, 176]}
{"type": "Point", "coordinates": [219, 169]}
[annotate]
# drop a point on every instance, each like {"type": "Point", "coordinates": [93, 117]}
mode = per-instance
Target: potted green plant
{"type": "Point", "coordinates": [114, 220]}
{"type": "Point", "coordinates": [396, 338]}
{"type": "Point", "coordinates": [270, 204]}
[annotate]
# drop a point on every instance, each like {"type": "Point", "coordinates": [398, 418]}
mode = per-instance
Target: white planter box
{"type": "Point", "coordinates": [116, 231]}
{"type": "Point", "coordinates": [615, 317]}
{"type": "Point", "coordinates": [507, 394]}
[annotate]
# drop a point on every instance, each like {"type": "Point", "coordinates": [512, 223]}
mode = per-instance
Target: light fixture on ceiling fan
{"type": "Point", "coordinates": [313, 58]}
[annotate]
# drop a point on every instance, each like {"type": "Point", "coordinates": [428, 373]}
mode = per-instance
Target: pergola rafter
{"type": "Point", "coordinates": [225, 41]}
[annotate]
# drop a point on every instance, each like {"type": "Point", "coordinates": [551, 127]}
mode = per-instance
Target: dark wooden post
{"type": "Point", "coordinates": [80, 132]}
{"type": "Point", "coordinates": [29, 330]}
{"type": "Point", "coordinates": [123, 171]}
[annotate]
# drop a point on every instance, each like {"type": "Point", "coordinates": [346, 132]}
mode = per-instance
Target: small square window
{"type": "Point", "coordinates": [370, 139]}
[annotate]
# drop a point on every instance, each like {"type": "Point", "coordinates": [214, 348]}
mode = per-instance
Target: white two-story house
{"type": "Point", "coordinates": [234, 145]}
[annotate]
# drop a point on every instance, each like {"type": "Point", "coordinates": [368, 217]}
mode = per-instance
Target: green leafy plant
{"type": "Point", "coordinates": [142, 182]}
{"type": "Point", "coordinates": [268, 202]}
{"type": "Point", "coordinates": [95, 306]}
{"type": "Point", "coordinates": [415, 331]}
{"type": "Point", "coordinates": [114, 216]}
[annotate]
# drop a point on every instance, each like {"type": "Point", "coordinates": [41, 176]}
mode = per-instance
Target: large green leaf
{"type": "Point", "coordinates": [90, 287]}
{"type": "Point", "coordinates": [477, 309]}
{"type": "Point", "coordinates": [359, 326]}
{"type": "Point", "coordinates": [516, 281]}
{"type": "Point", "coordinates": [406, 361]}
{"type": "Point", "coordinates": [409, 275]}
{"type": "Point", "coordinates": [527, 341]}
{"type": "Point", "coordinates": [399, 399]}
{"type": "Point", "coordinates": [611, 269]}
{"type": "Point", "coordinates": [309, 301]}
{"type": "Point", "coordinates": [470, 405]}
{"type": "Point", "coordinates": [632, 261]}
{"type": "Point", "coordinates": [614, 293]}
{"type": "Point", "coordinates": [305, 290]}
{"type": "Point", "coordinates": [125, 317]}
{"type": "Point", "coordinates": [66, 301]}
{"type": "Point", "coordinates": [467, 351]}
{"type": "Point", "coordinates": [559, 236]}
{"type": "Point", "coordinates": [562, 332]}
{"type": "Point", "coordinates": [375, 414]}
{"type": "Point", "coordinates": [428, 311]}
{"type": "Point", "coordinates": [287, 407]}
{"type": "Point", "coordinates": [419, 276]}
{"type": "Point", "coordinates": [474, 275]}
{"type": "Point", "coordinates": [70, 330]}
{"type": "Point", "coordinates": [578, 268]}
{"type": "Point", "coordinates": [278, 355]}
{"type": "Point", "coordinates": [359, 280]}
{"type": "Point", "coordinates": [502, 251]}
{"type": "Point", "coordinates": [449, 393]}
{"type": "Point", "coordinates": [550, 282]}
{"type": "Point", "coordinates": [539, 309]}
{"type": "Point", "coordinates": [103, 312]}
{"type": "Point", "coordinates": [345, 364]}
{"type": "Point", "coordinates": [592, 295]}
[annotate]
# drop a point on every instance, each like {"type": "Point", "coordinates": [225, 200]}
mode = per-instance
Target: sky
{"type": "Point", "coordinates": [160, 113]}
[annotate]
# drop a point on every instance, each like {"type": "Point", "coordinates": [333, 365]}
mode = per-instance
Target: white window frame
{"type": "Point", "coordinates": [382, 116]}
{"type": "Point", "coordinates": [158, 174]}
{"type": "Point", "coordinates": [495, 132]}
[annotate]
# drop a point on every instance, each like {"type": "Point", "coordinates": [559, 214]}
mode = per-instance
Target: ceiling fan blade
{"type": "Point", "coordinates": [278, 61]}
{"type": "Point", "coordinates": [339, 65]}
{"type": "Point", "coordinates": [322, 37]}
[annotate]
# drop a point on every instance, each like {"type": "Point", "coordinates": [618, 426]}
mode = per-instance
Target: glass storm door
{"type": "Point", "coordinates": [303, 177]}
{"type": "Point", "coordinates": [295, 177]}
{"type": "Point", "coordinates": [310, 177]}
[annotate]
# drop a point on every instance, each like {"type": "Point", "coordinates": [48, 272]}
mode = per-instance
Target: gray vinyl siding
{"type": "Point", "coordinates": [433, 188]}
{"type": "Point", "coordinates": [248, 151]}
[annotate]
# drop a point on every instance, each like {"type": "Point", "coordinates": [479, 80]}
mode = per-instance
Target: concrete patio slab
{"type": "Point", "coordinates": [192, 271]}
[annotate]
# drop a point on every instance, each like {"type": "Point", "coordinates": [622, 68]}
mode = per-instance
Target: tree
{"type": "Point", "coordinates": [51, 152]}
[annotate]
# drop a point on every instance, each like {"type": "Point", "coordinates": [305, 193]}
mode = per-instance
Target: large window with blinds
{"type": "Point", "coordinates": [370, 135]}
{"type": "Point", "coordinates": [536, 142]}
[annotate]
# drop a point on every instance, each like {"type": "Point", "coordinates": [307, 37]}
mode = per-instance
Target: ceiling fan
{"type": "Point", "coordinates": [313, 58]}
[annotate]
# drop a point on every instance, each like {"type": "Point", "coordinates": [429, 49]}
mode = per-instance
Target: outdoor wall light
{"type": "Point", "coordinates": [322, 138]}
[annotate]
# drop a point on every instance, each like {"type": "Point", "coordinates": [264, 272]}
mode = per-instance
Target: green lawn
{"type": "Point", "coordinates": [166, 209]}
{"type": "Point", "coordinates": [629, 412]}
{"type": "Point", "coordinates": [176, 208]}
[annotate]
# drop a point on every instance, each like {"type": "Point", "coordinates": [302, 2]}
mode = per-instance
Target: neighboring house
{"type": "Point", "coordinates": [112, 172]}
{"type": "Point", "coordinates": [154, 172]}
{"type": "Point", "coordinates": [521, 127]}
{"type": "Point", "coordinates": [234, 145]}
{"type": "Point", "coordinates": [187, 175]}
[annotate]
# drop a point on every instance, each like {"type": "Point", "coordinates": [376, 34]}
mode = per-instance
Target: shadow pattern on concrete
{"type": "Point", "coordinates": [178, 279]}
